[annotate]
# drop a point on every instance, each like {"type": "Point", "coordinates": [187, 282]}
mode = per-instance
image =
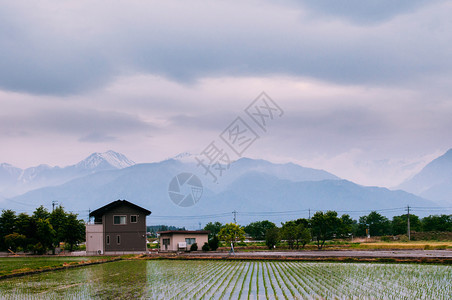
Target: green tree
{"type": "Point", "coordinates": [324, 226]}
{"type": "Point", "coordinates": [437, 223]}
{"type": "Point", "coordinates": [289, 233]}
{"type": "Point", "coordinates": [214, 228]}
{"type": "Point", "coordinates": [23, 225]}
{"type": "Point", "coordinates": [305, 222]}
{"type": "Point", "coordinates": [58, 220]}
{"type": "Point", "coordinates": [14, 241]}
{"type": "Point", "coordinates": [74, 231]}
{"type": "Point", "coordinates": [347, 226]}
{"type": "Point", "coordinates": [231, 233]}
{"type": "Point", "coordinates": [303, 235]}
{"type": "Point", "coordinates": [378, 225]}
{"type": "Point", "coordinates": [45, 235]}
{"type": "Point", "coordinates": [272, 237]}
{"type": "Point", "coordinates": [258, 229]}
{"type": "Point", "coordinates": [400, 224]}
{"type": "Point", "coordinates": [7, 226]}
{"type": "Point", "coordinates": [41, 213]}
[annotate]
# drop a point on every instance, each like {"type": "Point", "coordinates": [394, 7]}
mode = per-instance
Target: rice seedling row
{"type": "Point", "coordinates": [198, 289]}
{"type": "Point", "coordinates": [229, 286]}
{"type": "Point", "coordinates": [235, 280]}
{"type": "Point", "coordinates": [234, 288]}
{"type": "Point", "coordinates": [278, 279]}
{"type": "Point", "coordinates": [264, 281]}
{"type": "Point", "coordinates": [271, 281]}
{"type": "Point", "coordinates": [218, 281]}
{"type": "Point", "coordinates": [244, 280]}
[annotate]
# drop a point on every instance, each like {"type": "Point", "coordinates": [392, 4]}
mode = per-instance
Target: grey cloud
{"type": "Point", "coordinates": [244, 41]}
{"type": "Point", "coordinates": [216, 120]}
{"type": "Point", "coordinates": [331, 130]}
{"type": "Point", "coordinates": [90, 124]}
{"type": "Point", "coordinates": [96, 137]}
{"type": "Point", "coordinates": [364, 12]}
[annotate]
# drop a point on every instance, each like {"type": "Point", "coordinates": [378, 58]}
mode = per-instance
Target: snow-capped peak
{"type": "Point", "coordinates": [30, 174]}
{"type": "Point", "coordinates": [183, 157]}
{"type": "Point", "coordinates": [106, 159]}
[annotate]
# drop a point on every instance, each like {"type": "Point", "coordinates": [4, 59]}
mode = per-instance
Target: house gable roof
{"type": "Point", "coordinates": [104, 209]}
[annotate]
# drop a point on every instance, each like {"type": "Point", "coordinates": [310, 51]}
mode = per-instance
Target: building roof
{"type": "Point", "coordinates": [104, 209]}
{"type": "Point", "coordinates": [184, 231]}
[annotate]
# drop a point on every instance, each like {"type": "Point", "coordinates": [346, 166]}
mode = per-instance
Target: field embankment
{"type": "Point", "coordinates": [21, 265]}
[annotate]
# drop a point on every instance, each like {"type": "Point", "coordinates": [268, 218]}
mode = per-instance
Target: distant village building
{"type": "Point", "coordinates": [178, 240]}
{"type": "Point", "coordinates": [119, 227]}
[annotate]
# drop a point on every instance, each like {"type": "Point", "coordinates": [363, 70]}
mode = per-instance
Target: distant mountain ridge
{"type": "Point", "coordinates": [15, 181]}
{"type": "Point", "coordinates": [434, 181]}
{"type": "Point", "coordinates": [249, 185]}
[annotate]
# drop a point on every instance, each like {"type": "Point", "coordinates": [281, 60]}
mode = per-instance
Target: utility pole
{"type": "Point", "coordinates": [89, 212]}
{"type": "Point", "coordinates": [235, 216]}
{"type": "Point", "coordinates": [309, 213]}
{"type": "Point", "coordinates": [408, 222]}
{"type": "Point", "coordinates": [53, 204]}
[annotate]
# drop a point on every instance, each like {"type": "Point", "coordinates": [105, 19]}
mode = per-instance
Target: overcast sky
{"type": "Point", "coordinates": [365, 86]}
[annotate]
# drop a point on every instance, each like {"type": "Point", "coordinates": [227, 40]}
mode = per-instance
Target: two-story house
{"type": "Point", "coordinates": [119, 227]}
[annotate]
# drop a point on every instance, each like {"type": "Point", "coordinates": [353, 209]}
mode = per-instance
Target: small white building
{"type": "Point", "coordinates": [176, 240]}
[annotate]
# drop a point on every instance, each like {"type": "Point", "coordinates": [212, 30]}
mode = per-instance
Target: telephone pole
{"type": "Point", "coordinates": [53, 204]}
{"type": "Point", "coordinates": [235, 216]}
{"type": "Point", "coordinates": [408, 222]}
{"type": "Point", "coordinates": [309, 213]}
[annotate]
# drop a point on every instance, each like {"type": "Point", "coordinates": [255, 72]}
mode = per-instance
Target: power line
{"type": "Point", "coordinates": [287, 212]}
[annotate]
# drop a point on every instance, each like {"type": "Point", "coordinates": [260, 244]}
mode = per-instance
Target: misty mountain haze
{"type": "Point", "coordinates": [434, 181]}
{"type": "Point", "coordinates": [249, 185]}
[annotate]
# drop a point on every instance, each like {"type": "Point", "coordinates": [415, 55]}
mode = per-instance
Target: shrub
{"type": "Point", "coordinates": [214, 243]}
{"type": "Point", "coordinates": [205, 247]}
{"type": "Point", "coordinates": [194, 247]}
{"type": "Point", "coordinates": [386, 238]}
{"type": "Point", "coordinates": [403, 238]}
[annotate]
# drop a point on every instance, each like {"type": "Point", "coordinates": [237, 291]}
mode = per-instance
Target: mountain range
{"type": "Point", "coordinates": [15, 181]}
{"type": "Point", "coordinates": [256, 188]}
{"type": "Point", "coordinates": [434, 181]}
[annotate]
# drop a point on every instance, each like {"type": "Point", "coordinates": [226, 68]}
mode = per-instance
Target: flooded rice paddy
{"type": "Point", "coordinates": [165, 279]}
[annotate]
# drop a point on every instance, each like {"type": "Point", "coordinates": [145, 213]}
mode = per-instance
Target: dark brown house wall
{"type": "Point", "coordinates": [132, 235]}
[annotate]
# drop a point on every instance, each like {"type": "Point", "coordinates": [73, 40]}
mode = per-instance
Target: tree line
{"type": "Point", "coordinates": [40, 232]}
{"type": "Point", "coordinates": [324, 226]}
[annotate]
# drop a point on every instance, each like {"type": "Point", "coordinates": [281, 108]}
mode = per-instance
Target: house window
{"type": "Point", "coordinates": [108, 240]}
{"type": "Point", "coordinates": [118, 239]}
{"type": "Point", "coordinates": [166, 242]}
{"type": "Point", "coordinates": [190, 241]}
{"type": "Point", "coordinates": [133, 218]}
{"type": "Point", "coordinates": [119, 220]}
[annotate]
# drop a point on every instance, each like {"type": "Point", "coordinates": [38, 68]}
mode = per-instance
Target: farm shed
{"type": "Point", "coordinates": [174, 240]}
{"type": "Point", "coordinates": [119, 227]}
